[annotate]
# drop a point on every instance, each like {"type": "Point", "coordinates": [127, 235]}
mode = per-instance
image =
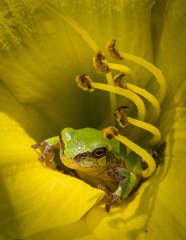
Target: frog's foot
{"type": "Point", "coordinates": [109, 198]}
{"type": "Point", "coordinates": [114, 200]}
{"type": "Point", "coordinates": [159, 153]}
{"type": "Point", "coordinates": [158, 156]}
{"type": "Point", "coordinates": [47, 154]}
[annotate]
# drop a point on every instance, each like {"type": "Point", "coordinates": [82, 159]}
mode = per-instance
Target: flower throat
{"type": "Point", "coordinates": [117, 85]}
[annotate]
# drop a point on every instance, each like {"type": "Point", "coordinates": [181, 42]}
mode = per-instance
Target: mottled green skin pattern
{"type": "Point", "coordinates": [77, 142]}
{"type": "Point", "coordinates": [86, 139]}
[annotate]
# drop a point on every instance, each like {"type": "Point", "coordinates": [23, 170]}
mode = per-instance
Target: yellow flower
{"type": "Point", "coordinates": [41, 53]}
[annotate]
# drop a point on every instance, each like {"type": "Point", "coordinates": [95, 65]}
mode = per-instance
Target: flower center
{"type": "Point", "coordinates": [118, 85]}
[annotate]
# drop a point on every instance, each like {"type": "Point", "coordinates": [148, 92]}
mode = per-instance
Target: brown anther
{"type": "Point", "coordinates": [99, 64]}
{"type": "Point", "coordinates": [84, 82]}
{"type": "Point", "coordinates": [112, 50]}
{"type": "Point", "coordinates": [110, 132]}
{"type": "Point", "coordinates": [120, 116]}
{"type": "Point", "coordinates": [119, 80]}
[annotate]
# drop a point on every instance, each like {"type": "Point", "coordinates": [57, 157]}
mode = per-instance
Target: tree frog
{"type": "Point", "coordinates": [101, 162]}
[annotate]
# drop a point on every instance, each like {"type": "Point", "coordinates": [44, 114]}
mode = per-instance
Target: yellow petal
{"type": "Point", "coordinates": [169, 211]}
{"type": "Point", "coordinates": [77, 230]}
{"type": "Point", "coordinates": [34, 198]}
{"type": "Point", "coordinates": [157, 210]}
{"type": "Point", "coordinates": [31, 194]}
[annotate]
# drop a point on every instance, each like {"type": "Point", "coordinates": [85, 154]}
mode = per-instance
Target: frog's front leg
{"type": "Point", "coordinates": [47, 148]}
{"type": "Point", "coordinates": [127, 180]}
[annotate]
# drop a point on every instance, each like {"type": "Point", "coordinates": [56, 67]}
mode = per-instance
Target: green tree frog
{"type": "Point", "coordinates": [101, 162]}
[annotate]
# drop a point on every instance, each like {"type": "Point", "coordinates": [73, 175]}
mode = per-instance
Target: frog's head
{"type": "Point", "coordinates": [86, 149]}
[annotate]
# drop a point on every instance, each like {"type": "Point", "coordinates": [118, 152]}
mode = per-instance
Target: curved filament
{"type": "Point", "coordinates": [111, 132]}
{"type": "Point", "coordinates": [151, 68]}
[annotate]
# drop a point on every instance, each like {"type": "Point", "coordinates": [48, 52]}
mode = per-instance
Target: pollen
{"type": "Point", "coordinates": [112, 50]}
{"type": "Point", "coordinates": [84, 82]}
{"type": "Point", "coordinates": [99, 64]}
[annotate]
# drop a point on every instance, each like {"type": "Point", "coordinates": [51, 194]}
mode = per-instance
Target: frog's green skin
{"type": "Point", "coordinates": [89, 155]}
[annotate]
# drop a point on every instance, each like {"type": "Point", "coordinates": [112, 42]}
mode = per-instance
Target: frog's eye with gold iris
{"type": "Point", "coordinates": [99, 152]}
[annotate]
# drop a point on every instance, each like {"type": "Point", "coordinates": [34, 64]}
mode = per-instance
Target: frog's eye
{"type": "Point", "coordinates": [99, 152]}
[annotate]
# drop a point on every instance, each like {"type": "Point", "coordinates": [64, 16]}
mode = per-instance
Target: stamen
{"type": "Point", "coordinates": [112, 50]}
{"type": "Point", "coordinates": [93, 45]}
{"type": "Point", "coordinates": [142, 92]}
{"type": "Point", "coordinates": [84, 82]}
{"type": "Point", "coordinates": [151, 68]}
{"type": "Point", "coordinates": [123, 120]}
{"type": "Point", "coordinates": [125, 93]}
{"type": "Point", "coordinates": [117, 90]}
{"type": "Point", "coordinates": [112, 132]}
{"type": "Point", "coordinates": [147, 65]}
{"type": "Point", "coordinates": [121, 116]}
{"type": "Point", "coordinates": [111, 95]}
{"type": "Point", "coordinates": [120, 81]}
{"type": "Point", "coordinates": [124, 69]}
{"type": "Point", "coordinates": [100, 66]}
{"type": "Point", "coordinates": [150, 98]}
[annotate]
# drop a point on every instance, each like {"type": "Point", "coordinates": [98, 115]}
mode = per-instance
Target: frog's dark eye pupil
{"type": "Point", "coordinates": [99, 152]}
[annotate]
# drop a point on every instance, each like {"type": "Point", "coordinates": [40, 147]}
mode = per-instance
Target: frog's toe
{"type": "Point", "coordinates": [114, 200]}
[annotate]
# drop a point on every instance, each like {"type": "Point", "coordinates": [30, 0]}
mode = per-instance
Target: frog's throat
{"type": "Point", "coordinates": [85, 163]}
{"type": "Point", "coordinates": [71, 164]}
